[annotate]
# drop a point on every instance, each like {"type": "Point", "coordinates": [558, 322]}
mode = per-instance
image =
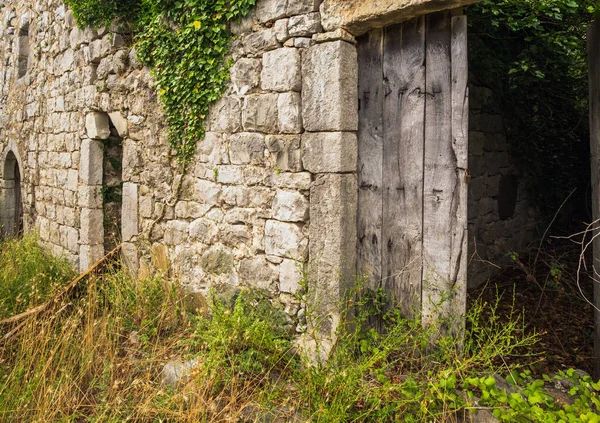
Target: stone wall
{"type": "Point", "coordinates": [501, 219]}
{"type": "Point", "coordinates": [272, 188]}
{"type": "Point", "coordinates": [273, 179]}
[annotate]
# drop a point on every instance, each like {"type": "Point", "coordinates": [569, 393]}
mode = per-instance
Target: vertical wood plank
{"type": "Point", "coordinates": [403, 120]}
{"type": "Point", "coordinates": [370, 156]}
{"type": "Point", "coordinates": [594, 80]}
{"type": "Point", "coordinates": [460, 147]}
{"type": "Point", "coordinates": [440, 163]}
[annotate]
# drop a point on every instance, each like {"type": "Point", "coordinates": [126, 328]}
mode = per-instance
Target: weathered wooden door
{"type": "Point", "coordinates": [413, 145]}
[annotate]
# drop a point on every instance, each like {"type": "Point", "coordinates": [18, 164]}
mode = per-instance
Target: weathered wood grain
{"type": "Point", "coordinates": [403, 120]}
{"type": "Point", "coordinates": [460, 147]}
{"type": "Point", "coordinates": [439, 185]}
{"type": "Point", "coordinates": [370, 156]}
{"type": "Point", "coordinates": [594, 73]}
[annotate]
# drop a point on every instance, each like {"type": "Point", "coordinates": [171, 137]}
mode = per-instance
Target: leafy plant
{"type": "Point", "coordinates": [185, 43]}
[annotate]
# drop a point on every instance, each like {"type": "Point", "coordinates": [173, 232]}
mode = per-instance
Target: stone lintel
{"type": "Point", "coordinates": [359, 16]}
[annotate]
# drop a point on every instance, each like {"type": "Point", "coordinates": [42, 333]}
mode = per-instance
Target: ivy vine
{"type": "Point", "coordinates": [185, 43]}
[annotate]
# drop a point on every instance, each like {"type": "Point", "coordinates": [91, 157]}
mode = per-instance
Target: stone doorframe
{"type": "Point", "coordinates": [330, 112]}
{"type": "Point", "coordinates": [91, 239]}
{"type": "Point", "coordinates": [10, 163]}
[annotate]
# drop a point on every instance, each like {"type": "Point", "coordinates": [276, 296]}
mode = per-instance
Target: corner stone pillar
{"type": "Point", "coordinates": [329, 151]}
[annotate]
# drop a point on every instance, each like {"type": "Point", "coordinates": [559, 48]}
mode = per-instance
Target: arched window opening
{"type": "Point", "coordinates": [11, 209]}
{"type": "Point", "coordinates": [23, 51]}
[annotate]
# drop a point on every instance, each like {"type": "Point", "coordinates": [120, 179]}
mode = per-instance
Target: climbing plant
{"type": "Point", "coordinates": [532, 53]}
{"type": "Point", "coordinates": [185, 43]}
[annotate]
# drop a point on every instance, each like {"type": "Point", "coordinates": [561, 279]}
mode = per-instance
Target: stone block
{"type": "Point", "coordinates": [329, 152]}
{"type": "Point", "coordinates": [120, 123]}
{"type": "Point", "coordinates": [230, 174]}
{"type": "Point", "coordinates": [245, 74]}
{"type": "Point", "coordinates": [338, 34]}
{"type": "Point", "coordinates": [256, 43]}
{"type": "Point", "coordinates": [211, 149]}
{"type": "Point", "coordinates": [290, 206]}
{"type": "Point", "coordinates": [130, 257]}
{"type": "Point", "coordinates": [304, 25]}
{"type": "Point", "coordinates": [289, 110]}
{"type": "Point", "coordinates": [301, 180]}
{"type": "Point", "coordinates": [88, 255]}
{"type": "Point", "coordinates": [281, 30]}
{"type": "Point", "coordinates": [203, 230]}
{"type": "Point", "coordinates": [246, 148]}
{"type": "Point", "coordinates": [299, 7]}
{"type": "Point", "coordinates": [258, 272]}
{"type": "Point", "coordinates": [260, 113]}
{"type": "Point", "coordinates": [270, 10]}
{"type": "Point", "coordinates": [92, 226]}
{"type": "Point", "coordinates": [304, 42]}
{"type": "Point", "coordinates": [90, 166]}
{"type": "Point", "coordinates": [329, 87]}
{"type": "Point", "coordinates": [333, 209]}
{"type": "Point", "coordinates": [281, 70]}
{"type": "Point", "coordinates": [225, 115]}
{"type": "Point", "coordinates": [97, 125]}
{"type": "Point", "coordinates": [285, 240]}
{"type": "Point", "coordinates": [207, 192]}
{"type": "Point", "coordinates": [176, 232]}
{"type": "Point", "coordinates": [290, 276]}
{"type": "Point", "coordinates": [287, 150]}
{"type": "Point", "coordinates": [129, 214]}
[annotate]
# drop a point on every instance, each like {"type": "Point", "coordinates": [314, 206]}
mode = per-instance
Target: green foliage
{"type": "Point", "coordinates": [96, 13]}
{"type": "Point", "coordinates": [28, 274]}
{"type": "Point", "coordinates": [533, 54]}
{"type": "Point", "coordinates": [527, 400]}
{"type": "Point", "coordinates": [245, 339]}
{"type": "Point", "coordinates": [396, 374]}
{"type": "Point", "coordinates": [97, 356]}
{"type": "Point", "coordinates": [185, 43]}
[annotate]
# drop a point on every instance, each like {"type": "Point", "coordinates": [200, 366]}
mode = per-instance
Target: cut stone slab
{"type": "Point", "coordinates": [290, 206]}
{"type": "Point", "coordinates": [97, 125]}
{"type": "Point", "coordinates": [285, 240]}
{"type": "Point", "coordinates": [359, 16]}
{"type": "Point", "coordinates": [260, 113]}
{"type": "Point", "coordinates": [329, 87]}
{"type": "Point", "coordinates": [281, 70]}
{"type": "Point", "coordinates": [290, 275]}
{"type": "Point", "coordinates": [289, 109]}
{"type": "Point", "coordinates": [329, 152]}
{"type": "Point", "coordinates": [304, 25]}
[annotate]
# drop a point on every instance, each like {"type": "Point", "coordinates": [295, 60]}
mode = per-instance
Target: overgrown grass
{"type": "Point", "coordinates": [98, 356]}
{"type": "Point", "coordinates": [28, 274]}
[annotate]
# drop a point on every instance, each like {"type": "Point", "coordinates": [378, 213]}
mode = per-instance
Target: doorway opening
{"type": "Point", "coordinates": [530, 173]}
{"type": "Point", "coordinates": [112, 187]}
{"type": "Point", "coordinates": [11, 209]}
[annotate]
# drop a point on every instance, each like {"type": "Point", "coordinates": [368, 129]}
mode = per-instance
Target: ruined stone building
{"type": "Point", "coordinates": [305, 163]}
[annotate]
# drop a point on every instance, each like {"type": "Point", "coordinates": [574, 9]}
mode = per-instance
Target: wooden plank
{"type": "Point", "coordinates": [403, 120]}
{"type": "Point", "coordinates": [370, 156]}
{"type": "Point", "coordinates": [439, 185]}
{"type": "Point", "coordinates": [460, 148]}
{"type": "Point", "coordinates": [594, 74]}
